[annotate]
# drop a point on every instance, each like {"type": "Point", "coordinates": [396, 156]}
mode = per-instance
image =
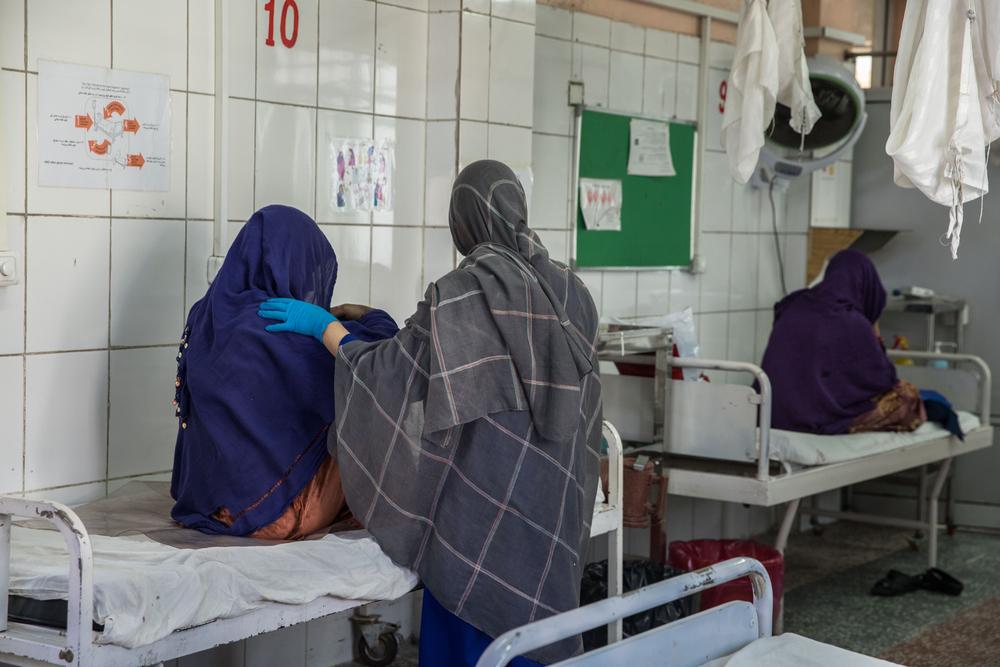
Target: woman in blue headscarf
{"type": "Point", "coordinates": [254, 409]}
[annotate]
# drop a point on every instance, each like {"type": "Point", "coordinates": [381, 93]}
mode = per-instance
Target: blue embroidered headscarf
{"type": "Point", "coordinates": [253, 407]}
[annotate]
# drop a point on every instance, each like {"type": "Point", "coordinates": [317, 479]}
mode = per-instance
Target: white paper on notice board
{"type": "Point", "coordinates": [102, 128]}
{"type": "Point", "coordinates": [649, 149]}
{"type": "Point", "coordinates": [601, 203]}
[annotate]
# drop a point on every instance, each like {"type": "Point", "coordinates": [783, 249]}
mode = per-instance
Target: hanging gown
{"type": "Point", "coordinates": [794, 89]}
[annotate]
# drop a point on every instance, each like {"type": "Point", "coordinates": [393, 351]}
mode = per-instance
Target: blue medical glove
{"type": "Point", "coordinates": [296, 316]}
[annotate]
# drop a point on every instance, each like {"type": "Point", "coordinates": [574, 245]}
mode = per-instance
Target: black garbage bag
{"type": "Point", "coordinates": [637, 573]}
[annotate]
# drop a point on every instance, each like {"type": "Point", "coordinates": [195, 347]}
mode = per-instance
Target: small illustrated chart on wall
{"type": "Point", "coordinates": [363, 180]}
{"type": "Point", "coordinates": [102, 128]}
{"type": "Point", "coordinates": [654, 218]}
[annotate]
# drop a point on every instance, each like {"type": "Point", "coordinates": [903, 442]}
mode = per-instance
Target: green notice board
{"type": "Point", "coordinates": [656, 210]}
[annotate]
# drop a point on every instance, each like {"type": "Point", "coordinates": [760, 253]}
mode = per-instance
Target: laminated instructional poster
{"type": "Point", "coordinates": [363, 177]}
{"type": "Point", "coordinates": [601, 204]}
{"type": "Point", "coordinates": [102, 128]}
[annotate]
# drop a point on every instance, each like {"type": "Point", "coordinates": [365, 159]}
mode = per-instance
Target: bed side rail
{"type": "Point", "coordinates": [983, 369]}
{"type": "Point", "coordinates": [562, 626]}
{"type": "Point", "coordinates": [74, 646]}
{"type": "Point", "coordinates": [763, 406]}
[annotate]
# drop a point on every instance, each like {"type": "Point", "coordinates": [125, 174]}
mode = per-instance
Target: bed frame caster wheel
{"type": "Point", "coordinates": [382, 653]}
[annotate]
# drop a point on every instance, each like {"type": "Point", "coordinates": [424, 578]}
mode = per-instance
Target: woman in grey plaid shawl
{"type": "Point", "coordinates": [469, 443]}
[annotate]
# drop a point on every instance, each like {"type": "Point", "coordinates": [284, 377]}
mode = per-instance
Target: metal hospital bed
{"type": "Point", "coordinates": [79, 644]}
{"type": "Point", "coordinates": [735, 634]}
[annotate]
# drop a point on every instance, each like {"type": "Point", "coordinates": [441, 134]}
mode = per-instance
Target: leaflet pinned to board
{"type": "Point", "coordinates": [102, 128]}
{"type": "Point", "coordinates": [601, 203]}
{"type": "Point", "coordinates": [649, 149]}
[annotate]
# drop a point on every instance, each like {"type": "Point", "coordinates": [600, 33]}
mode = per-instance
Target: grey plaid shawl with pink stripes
{"type": "Point", "coordinates": [468, 444]}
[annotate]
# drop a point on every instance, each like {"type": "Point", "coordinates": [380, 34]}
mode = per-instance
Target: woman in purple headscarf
{"type": "Point", "coordinates": [253, 409]}
{"type": "Point", "coordinates": [826, 362]}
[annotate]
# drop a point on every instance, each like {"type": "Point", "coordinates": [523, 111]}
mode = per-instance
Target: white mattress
{"type": "Point", "coordinates": [791, 650]}
{"type": "Point", "coordinates": [144, 590]}
{"type": "Point", "coordinates": [808, 449]}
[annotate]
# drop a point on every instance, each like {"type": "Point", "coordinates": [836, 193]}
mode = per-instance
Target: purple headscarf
{"type": "Point", "coordinates": [825, 363]}
{"type": "Point", "coordinates": [254, 407]}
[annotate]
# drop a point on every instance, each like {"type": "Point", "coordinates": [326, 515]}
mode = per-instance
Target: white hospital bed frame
{"type": "Point", "coordinates": [796, 483]}
{"type": "Point", "coordinates": [75, 646]}
{"type": "Point", "coordinates": [688, 642]}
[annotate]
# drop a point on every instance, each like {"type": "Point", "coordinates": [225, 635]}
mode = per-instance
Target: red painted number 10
{"type": "Point", "coordinates": [286, 39]}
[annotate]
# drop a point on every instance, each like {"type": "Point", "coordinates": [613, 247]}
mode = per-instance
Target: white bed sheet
{"type": "Point", "coordinates": [791, 650]}
{"type": "Point", "coordinates": [144, 590]}
{"type": "Point", "coordinates": [808, 449]}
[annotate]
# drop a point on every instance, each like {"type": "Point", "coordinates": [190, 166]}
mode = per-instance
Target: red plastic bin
{"type": "Point", "coordinates": [696, 554]}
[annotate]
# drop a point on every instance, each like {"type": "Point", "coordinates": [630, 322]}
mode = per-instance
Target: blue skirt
{"type": "Point", "coordinates": [448, 641]}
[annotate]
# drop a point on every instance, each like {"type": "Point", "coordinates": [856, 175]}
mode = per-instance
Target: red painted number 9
{"type": "Point", "coordinates": [288, 41]}
{"type": "Point", "coordinates": [722, 96]}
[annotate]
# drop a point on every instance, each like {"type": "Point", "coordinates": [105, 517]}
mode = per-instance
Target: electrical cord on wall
{"type": "Point", "coordinates": [777, 239]}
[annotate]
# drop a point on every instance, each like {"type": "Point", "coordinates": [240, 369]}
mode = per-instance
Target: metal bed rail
{"type": "Point", "coordinates": [75, 645]}
{"type": "Point", "coordinates": [613, 525]}
{"type": "Point", "coordinates": [563, 626]}
{"type": "Point", "coordinates": [985, 374]}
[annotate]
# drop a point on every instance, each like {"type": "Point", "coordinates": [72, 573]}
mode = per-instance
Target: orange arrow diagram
{"type": "Point", "coordinates": [99, 148]}
{"type": "Point", "coordinates": [85, 121]}
{"type": "Point", "coordinates": [136, 160]}
{"type": "Point", "coordinates": [114, 107]}
{"type": "Point", "coordinates": [131, 125]}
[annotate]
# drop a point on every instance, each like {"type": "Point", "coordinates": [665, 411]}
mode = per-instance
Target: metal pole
{"type": "Point", "coordinates": [5, 521]}
{"type": "Point", "coordinates": [221, 156]}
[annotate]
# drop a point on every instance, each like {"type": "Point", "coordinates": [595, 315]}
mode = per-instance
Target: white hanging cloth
{"type": "Point", "coordinates": [941, 116]}
{"type": "Point", "coordinates": [986, 50]}
{"type": "Point", "coordinates": [794, 89]}
{"type": "Point", "coordinates": [752, 90]}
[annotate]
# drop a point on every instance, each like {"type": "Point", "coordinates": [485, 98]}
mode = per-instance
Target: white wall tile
{"type": "Point", "coordinates": [55, 201]}
{"type": "Point", "coordinates": [242, 20]}
{"type": "Point", "coordinates": [765, 318]}
{"type": "Point", "coordinates": [169, 204]}
{"type": "Point", "coordinates": [515, 10]}
{"type": "Point", "coordinates": [557, 243]}
{"type": "Point", "coordinates": [347, 54]}
{"type": "Point", "coordinates": [67, 284]}
{"type": "Point", "coordinates": [74, 32]}
{"type": "Point", "coordinates": [12, 88]}
{"type": "Point", "coordinates": [66, 413]}
{"type": "Point", "coordinates": [591, 64]}
{"type": "Point", "coordinates": [333, 127]}
{"type": "Point", "coordinates": [241, 159]}
{"type": "Point", "coordinates": [408, 188]}
{"type": "Point", "coordinates": [12, 35]}
{"type": "Point", "coordinates": [626, 85]}
{"type": "Point", "coordinates": [659, 87]}
{"type": "Point", "coordinates": [743, 271]}
{"type": "Point", "coordinates": [439, 255]}
{"type": "Point", "coordinates": [285, 158]}
{"type": "Point", "coordinates": [717, 195]}
{"type": "Point", "coordinates": [512, 64]}
{"type": "Point", "coordinates": [684, 291]}
{"type": "Point", "coordinates": [769, 219]}
{"type": "Point", "coordinates": [143, 429]}
{"type": "Point", "coordinates": [396, 270]}
{"type": "Point", "coordinates": [353, 244]}
{"type": "Point", "coordinates": [746, 208]}
{"type": "Point", "coordinates": [594, 280]}
{"type": "Point", "coordinates": [653, 293]}
{"type": "Point", "coordinates": [618, 294]}
{"type": "Point", "coordinates": [288, 74]}
{"type": "Point", "coordinates": [591, 29]}
{"type": "Point", "coordinates": [687, 92]}
{"type": "Point", "coordinates": [475, 93]}
{"type": "Point", "coordinates": [12, 296]}
{"type": "Point", "coordinates": [553, 22]}
{"type": "Point", "coordinates": [550, 195]}
{"type": "Point", "coordinates": [201, 156]}
{"type": "Point", "coordinates": [162, 50]}
{"type": "Point", "coordinates": [147, 286]}
{"type": "Point", "coordinates": [627, 37]}
{"type": "Point", "coordinates": [797, 205]}
{"type": "Point", "coordinates": [742, 336]}
{"type": "Point", "coordinates": [713, 339]}
{"type": "Point", "coordinates": [715, 248]}
{"type": "Point", "coordinates": [11, 423]}
{"type": "Point", "coordinates": [444, 5]}
{"type": "Point", "coordinates": [511, 145]}
{"type": "Point", "coordinates": [473, 142]}
{"type": "Point", "coordinates": [199, 247]}
{"type": "Point", "coordinates": [689, 49]}
{"type": "Point", "coordinates": [553, 68]}
{"type": "Point", "coordinates": [796, 256]}
{"type": "Point", "coordinates": [477, 6]}
{"type": "Point", "coordinates": [442, 155]}
{"type": "Point", "coordinates": [443, 54]}
{"type": "Point", "coordinates": [713, 123]}
{"type": "Point", "coordinates": [768, 276]}
{"type": "Point", "coordinates": [720, 54]}
{"type": "Point", "coordinates": [201, 47]}
{"type": "Point", "coordinates": [401, 62]}
{"type": "Point", "coordinates": [661, 44]}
